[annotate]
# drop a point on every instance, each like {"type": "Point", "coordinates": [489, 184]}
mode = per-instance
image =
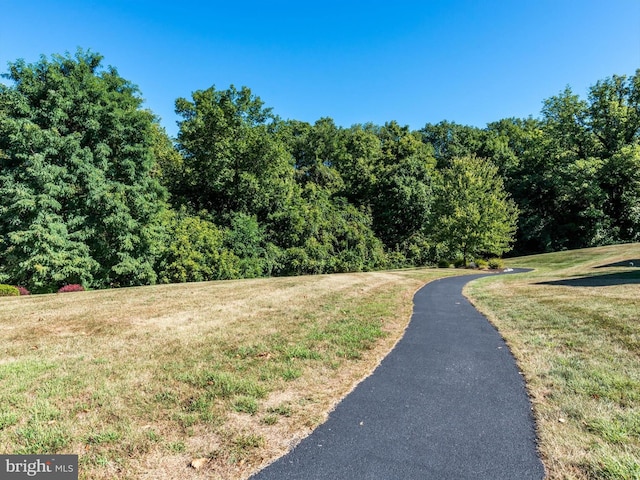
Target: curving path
{"type": "Point", "coordinates": [448, 402]}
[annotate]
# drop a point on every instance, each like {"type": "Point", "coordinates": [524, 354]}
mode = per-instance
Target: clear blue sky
{"type": "Point", "coordinates": [415, 62]}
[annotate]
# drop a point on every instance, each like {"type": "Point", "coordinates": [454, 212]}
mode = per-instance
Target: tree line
{"type": "Point", "coordinates": [94, 192]}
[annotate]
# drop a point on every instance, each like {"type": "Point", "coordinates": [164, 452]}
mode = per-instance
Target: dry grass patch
{"type": "Point", "coordinates": [141, 381]}
{"type": "Point", "coordinates": [574, 327]}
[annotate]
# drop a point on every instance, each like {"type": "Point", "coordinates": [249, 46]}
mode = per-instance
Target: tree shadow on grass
{"type": "Point", "coordinates": [622, 278]}
{"type": "Point", "coordinates": [631, 263]}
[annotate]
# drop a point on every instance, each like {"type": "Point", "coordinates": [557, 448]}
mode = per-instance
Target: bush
{"type": "Point", "coordinates": [459, 263]}
{"type": "Point", "coordinates": [444, 263]}
{"type": "Point", "coordinates": [245, 240]}
{"type": "Point", "coordinates": [396, 259]}
{"type": "Point", "coordinates": [8, 291]}
{"type": "Point", "coordinates": [496, 263]}
{"type": "Point", "coordinates": [74, 287]}
{"type": "Point", "coordinates": [194, 251]}
{"type": "Point", "coordinates": [23, 291]}
{"type": "Point", "coordinates": [481, 263]}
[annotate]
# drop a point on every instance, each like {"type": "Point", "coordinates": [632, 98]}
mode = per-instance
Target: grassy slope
{"type": "Point", "coordinates": [141, 381]}
{"type": "Point", "coordinates": [574, 326]}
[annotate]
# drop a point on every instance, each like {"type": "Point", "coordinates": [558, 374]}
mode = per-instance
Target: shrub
{"type": "Point", "coordinates": [496, 263]}
{"type": "Point", "coordinates": [195, 251]}
{"type": "Point", "coordinates": [74, 287]}
{"type": "Point", "coordinates": [444, 263]}
{"type": "Point", "coordinates": [459, 263]}
{"type": "Point", "coordinates": [23, 291]}
{"type": "Point", "coordinates": [8, 291]}
{"type": "Point", "coordinates": [481, 263]}
{"type": "Point", "coordinates": [396, 259]}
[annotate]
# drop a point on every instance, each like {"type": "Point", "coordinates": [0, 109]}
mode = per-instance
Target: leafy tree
{"type": "Point", "coordinates": [473, 214]}
{"type": "Point", "coordinates": [194, 250]}
{"type": "Point", "coordinates": [614, 119]}
{"type": "Point", "coordinates": [317, 150]}
{"type": "Point", "coordinates": [78, 201]}
{"type": "Point", "coordinates": [247, 239]}
{"type": "Point", "coordinates": [402, 195]}
{"type": "Point", "coordinates": [573, 172]}
{"type": "Point", "coordinates": [569, 195]}
{"type": "Point", "coordinates": [331, 236]}
{"type": "Point", "coordinates": [387, 170]}
{"type": "Point", "coordinates": [169, 167]}
{"type": "Point", "coordinates": [575, 179]}
{"type": "Point", "coordinates": [360, 166]}
{"type": "Point", "coordinates": [451, 140]}
{"type": "Point", "coordinates": [620, 179]}
{"type": "Point", "coordinates": [233, 160]}
{"type": "Point", "coordinates": [614, 113]}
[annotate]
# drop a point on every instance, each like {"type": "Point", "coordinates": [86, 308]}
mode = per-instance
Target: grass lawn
{"type": "Point", "coordinates": [574, 326]}
{"type": "Point", "coordinates": [141, 381]}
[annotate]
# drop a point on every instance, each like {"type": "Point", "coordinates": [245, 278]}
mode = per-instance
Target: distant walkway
{"type": "Point", "coordinates": [447, 403]}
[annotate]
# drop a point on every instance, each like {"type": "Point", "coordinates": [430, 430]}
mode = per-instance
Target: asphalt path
{"type": "Point", "coordinates": [447, 402]}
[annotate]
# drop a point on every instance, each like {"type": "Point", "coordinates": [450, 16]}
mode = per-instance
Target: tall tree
{"type": "Point", "coordinates": [387, 170]}
{"type": "Point", "coordinates": [473, 213]}
{"type": "Point", "coordinates": [317, 150]}
{"type": "Point", "coordinates": [402, 195]}
{"type": "Point", "coordinates": [359, 168]}
{"type": "Point", "coordinates": [451, 140]}
{"type": "Point", "coordinates": [78, 201]}
{"type": "Point", "coordinates": [585, 180]}
{"type": "Point", "coordinates": [529, 178]}
{"type": "Point", "coordinates": [233, 159]}
{"type": "Point", "coordinates": [614, 113]}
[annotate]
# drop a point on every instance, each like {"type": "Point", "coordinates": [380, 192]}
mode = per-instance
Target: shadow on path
{"type": "Point", "coordinates": [447, 402]}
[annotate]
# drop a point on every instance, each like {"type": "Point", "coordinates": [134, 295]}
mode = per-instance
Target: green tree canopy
{"type": "Point", "coordinates": [233, 159]}
{"type": "Point", "coordinates": [401, 196]}
{"type": "Point", "coordinates": [82, 169]}
{"type": "Point", "coordinates": [317, 150]}
{"type": "Point", "coordinates": [473, 215]}
{"type": "Point", "coordinates": [78, 200]}
{"type": "Point", "coordinates": [451, 140]}
{"type": "Point", "coordinates": [574, 172]}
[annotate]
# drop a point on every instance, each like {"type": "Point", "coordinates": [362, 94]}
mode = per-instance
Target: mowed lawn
{"type": "Point", "coordinates": [142, 381]}
{"type": "Point", "coordinates": [574, 326]}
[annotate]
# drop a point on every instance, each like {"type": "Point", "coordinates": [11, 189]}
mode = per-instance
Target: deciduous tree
{"type": "Point", "coordinates": [473, 215]}
{"type": "Point", "coordinates": [233, 160]}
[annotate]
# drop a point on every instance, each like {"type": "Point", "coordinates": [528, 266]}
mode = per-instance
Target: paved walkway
{"type": "Point", "coordinates": [447, 403]}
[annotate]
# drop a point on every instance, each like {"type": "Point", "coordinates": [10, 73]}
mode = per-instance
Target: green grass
{"type": "Point", "coordinates": [574, 326]}
{"type": "Point", "coordinates": [236, 372]}
{"type": "Point", "coordinates": [284, 410]}
{"type": "Point", "coordinates": [146, 379]}
{"type": "Point", "coordinates": [245, 404]}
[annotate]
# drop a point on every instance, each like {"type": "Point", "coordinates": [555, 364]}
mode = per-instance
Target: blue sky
{"type": "Point", "coordinates": [471, 62]}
